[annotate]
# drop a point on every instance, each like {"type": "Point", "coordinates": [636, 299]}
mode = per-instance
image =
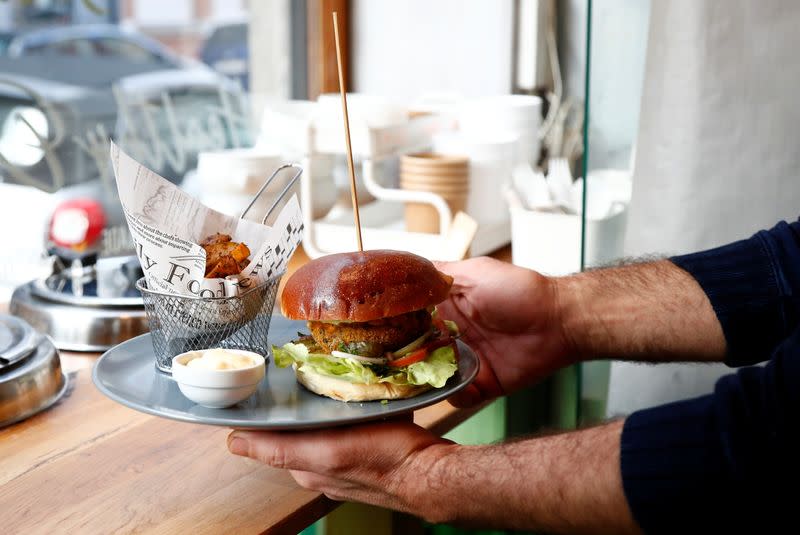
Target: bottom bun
{"type": "Point", "coordinates": [331, 387]}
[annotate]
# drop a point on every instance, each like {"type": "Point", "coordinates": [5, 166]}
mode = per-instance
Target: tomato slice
{"type": "Point", "coordinates": [411, 358]}
{"type": "Point", "coordinates": [423, 352]}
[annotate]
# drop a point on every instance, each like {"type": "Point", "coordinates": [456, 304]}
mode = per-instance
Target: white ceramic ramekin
{"type": "Point", "coordinates": [218, 388]}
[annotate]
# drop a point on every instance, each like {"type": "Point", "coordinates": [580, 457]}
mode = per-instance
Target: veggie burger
{"type": "Point", "coordinates": [375, 333]}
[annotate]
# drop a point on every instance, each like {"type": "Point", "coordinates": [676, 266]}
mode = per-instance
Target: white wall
{"type": "Point", "coordinates": [414, 47]}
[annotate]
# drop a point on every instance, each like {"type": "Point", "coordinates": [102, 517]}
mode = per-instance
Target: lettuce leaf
{"type": "Point", "coordinates": [434, 370]}
{"type": "Point", "coordinates": [452, 327]}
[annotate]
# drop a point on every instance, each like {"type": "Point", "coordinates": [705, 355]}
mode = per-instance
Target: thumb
{"type": "Point", "coordinates": [444, 265]}
{"type": "Point", "coordinates": [459, 270]}
{"type": "Point", "coordinates": [465, 269]}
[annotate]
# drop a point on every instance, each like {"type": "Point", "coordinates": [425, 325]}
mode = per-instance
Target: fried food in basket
{"type": "Point", "coordinates": [217, 237]}
{"type": "Point", "coordinates": [224, 257]}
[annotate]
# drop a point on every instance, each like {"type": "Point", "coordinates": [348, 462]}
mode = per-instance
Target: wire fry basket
{"type": "Point", "coordinates": [179, 324]}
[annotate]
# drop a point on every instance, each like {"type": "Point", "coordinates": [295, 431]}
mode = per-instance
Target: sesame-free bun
{"type": "Point", "coordinates": [341, 390]}
{"type": "Point", "coordinates": [363, 286]}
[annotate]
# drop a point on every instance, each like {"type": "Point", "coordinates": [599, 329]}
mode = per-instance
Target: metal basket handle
{"type": "Point", "coordinates": [280, 196]}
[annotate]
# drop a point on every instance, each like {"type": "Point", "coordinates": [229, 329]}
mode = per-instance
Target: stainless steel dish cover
{"type": "Point", "coordinates": [32, 384]}
{"type": "Point", "coordinates": [17, 340]}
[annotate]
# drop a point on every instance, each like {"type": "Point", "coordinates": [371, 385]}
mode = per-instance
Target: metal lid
{"type": "Point", "coordinates": [32, 384]}
{"type": "Point", "coordinates": [17, 340]}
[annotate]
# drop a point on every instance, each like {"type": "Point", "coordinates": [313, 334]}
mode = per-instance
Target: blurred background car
{"type": "Point", "coordinates": [65, 91]}
{"type": "Point", "coordinates": [88, 41]}
{"type": "Point", "coordinates": [57, 108]}
{"type": "Point", "coordinates": [5, 39]}
{"type": "Point", "coordinates": [67, 87]}
{"type": "Point", "coordinates": [226, 51]}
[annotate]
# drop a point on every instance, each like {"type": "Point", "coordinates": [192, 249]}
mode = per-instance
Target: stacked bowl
{"type": "Point", "coordinates": [519, 116]}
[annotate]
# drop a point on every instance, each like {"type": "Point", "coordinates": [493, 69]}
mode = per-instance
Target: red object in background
{"type": "Point", "coordinates": [77, 223]}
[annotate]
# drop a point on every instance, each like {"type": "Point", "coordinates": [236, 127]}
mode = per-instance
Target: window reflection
{"type": "Point", "coordinates": [165, 80]}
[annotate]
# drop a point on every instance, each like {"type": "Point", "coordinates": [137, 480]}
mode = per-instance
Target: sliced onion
{"type": "Point", "coordinates": [371, 360]}
{"type": "Point", "coordinates": [416, 344]}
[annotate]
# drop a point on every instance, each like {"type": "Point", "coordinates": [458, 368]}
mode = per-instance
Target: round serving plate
{"type": "Point", "coordinates": [127, 374]}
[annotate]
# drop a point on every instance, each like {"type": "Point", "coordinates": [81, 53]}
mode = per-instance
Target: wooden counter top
{"type": "Point", "coordinates": [91, 465]}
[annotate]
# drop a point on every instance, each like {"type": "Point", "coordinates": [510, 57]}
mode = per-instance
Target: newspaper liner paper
{"type": "Point", "coordinates": [167, 224]}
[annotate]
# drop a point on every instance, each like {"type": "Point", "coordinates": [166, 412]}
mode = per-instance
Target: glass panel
{"type": "Point", "coordinates": [617, 48]}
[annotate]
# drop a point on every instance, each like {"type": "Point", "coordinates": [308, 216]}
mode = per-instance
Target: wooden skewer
{"type": "Point", "coordinates": [343, 91]}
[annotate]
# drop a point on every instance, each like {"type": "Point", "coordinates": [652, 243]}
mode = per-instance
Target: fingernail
{"type": "Point", "coordinates": [238, 446]}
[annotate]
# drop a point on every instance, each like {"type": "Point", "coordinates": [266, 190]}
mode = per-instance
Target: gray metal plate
{"type": "Point", "coordinates": [127, 374]}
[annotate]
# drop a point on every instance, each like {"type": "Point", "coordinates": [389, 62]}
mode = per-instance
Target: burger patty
{"type": "Point", "coordinates": [371, 338]}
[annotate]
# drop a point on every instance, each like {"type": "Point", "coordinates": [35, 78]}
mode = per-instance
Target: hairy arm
{"type": "Point", "coordinates": [652, 311]}
{"type": "Point", "coordinates": [567, 483]}
{"type": "Point", "coordinates": [564, 483]}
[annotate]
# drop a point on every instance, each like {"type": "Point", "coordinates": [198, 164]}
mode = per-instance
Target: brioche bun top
{"type": "Point", "coordinates": [363, 286]}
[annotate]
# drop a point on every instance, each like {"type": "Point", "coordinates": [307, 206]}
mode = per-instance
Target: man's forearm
{"type": "Point", "coordinates": [652, 311]}
{"type": "Point", "coordinates": [566, 483]}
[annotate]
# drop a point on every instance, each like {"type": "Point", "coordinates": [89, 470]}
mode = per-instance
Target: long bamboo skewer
{"type": "Point", "coordinates": [343, 91]}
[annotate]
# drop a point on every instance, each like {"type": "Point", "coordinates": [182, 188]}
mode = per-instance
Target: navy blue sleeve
{"type": "Point", "coordinates": [720, 463]}
{"type": "Point", "coordinates": [754, 287]}
{"type": "Point", "coordinates": [723, 463]}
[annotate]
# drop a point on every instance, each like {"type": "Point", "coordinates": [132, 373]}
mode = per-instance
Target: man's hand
{"type": "Point", "coordinates": [508, 316]}
{"type": "Point", "coordinates": [525, 326]}
{"type": "Point", "coordinates": [382, 464]}
{"type": "Point", "coordinates": [568, 483]}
